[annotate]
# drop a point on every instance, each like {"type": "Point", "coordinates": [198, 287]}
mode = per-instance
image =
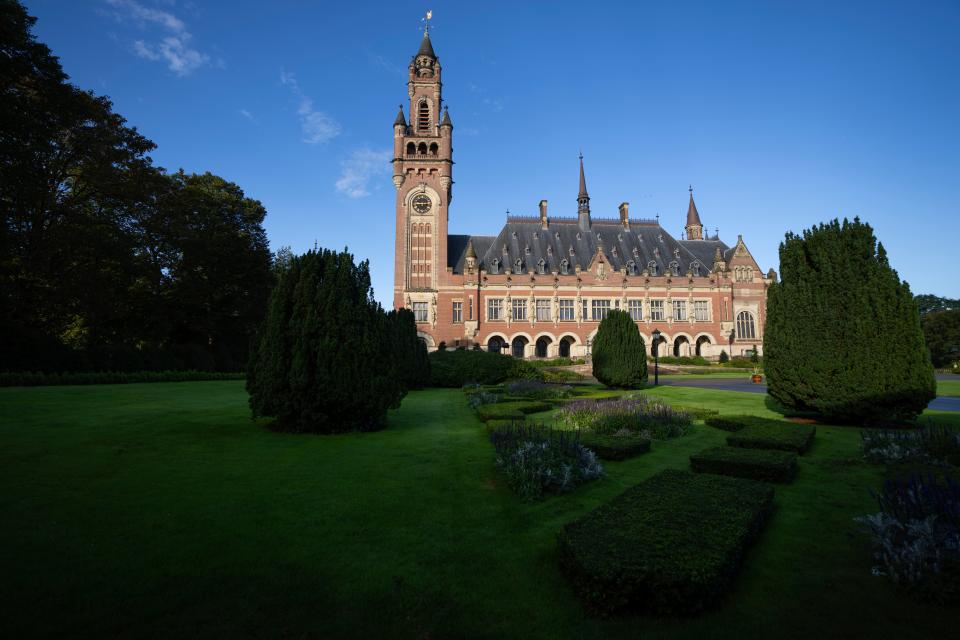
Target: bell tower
{"type": "Point", "coordinates": [422, 175]}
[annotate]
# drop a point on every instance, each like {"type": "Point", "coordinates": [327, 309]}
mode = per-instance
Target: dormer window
{"type": "Point", "coordinates": [652, 268]}
{"type": "Point", "coordinates": [526, 250]}
{"type": "Point", "coordinates": [636, 252]}
{"type": "Point", "coordinates": [695, 267]}
{"type": "Point", "coordinates": [549, 250]}
{"type": "Point", "coordinates": [494, 266]}
{"type": "Point", "coordinates": [613, 252]}
{"type": "Point", "coordinates": [564, 266]}
{"type": "Point", "coordinates": [541, 266]}
{"type": "Point", "coordinates": [675, 267]}
{"type": "Point", "coordinates": [632, 268]}
{"type": "Point", "coordinates": [518, 265]}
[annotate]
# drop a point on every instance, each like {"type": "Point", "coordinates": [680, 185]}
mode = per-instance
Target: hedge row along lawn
{"type": "Point", "coordinates": [758, 464]}
{"type": "Point", "coordinates": [752, 432]}
{"type": "Point", "coordinates": [615, 447]}
{"type": "Point", "coordinates": [673, 544]}
{"type": "Point", "coordinates": [163, 510]}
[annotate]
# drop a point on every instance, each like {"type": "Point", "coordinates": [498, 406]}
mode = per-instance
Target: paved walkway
{"type": "Point", "coordinates": [941, 403]}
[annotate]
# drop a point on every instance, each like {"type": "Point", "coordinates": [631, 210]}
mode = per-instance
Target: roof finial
{"type": "Point", "coordinates": [691, 189]}
{"type": "Point", "coordinates": [426, 22]}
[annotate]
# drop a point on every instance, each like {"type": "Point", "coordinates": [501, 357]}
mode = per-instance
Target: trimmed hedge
{"type": "Point", "coordinates": [698, 413]}
{"type": "Point", "coordinates": [461, 366]}
{"type": "Point", "coordinates": [502, 423]}
{"type": "Point", "coordinates": [757, 464]}
{"type": "Point", "coordinates": [727, 423]}
{"type": "Point", "coordinates": [670, 545]}
{"type": "Point", "coordinates": [774, 435]}
{"type": "Point", "coordinates": [614, 447]}
{"type": "Point", "coordinates": [511, 410]}
{"type": "Point", "coordinates": [37, 379]}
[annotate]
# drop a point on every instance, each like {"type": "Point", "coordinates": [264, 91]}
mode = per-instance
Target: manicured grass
{"type": "Point", "coordinates": [162, 510]}
{"type": "Point", "coordinates": [948, 388]}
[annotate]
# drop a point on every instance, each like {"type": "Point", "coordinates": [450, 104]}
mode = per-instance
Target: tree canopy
{"type": "Point", "coordinates": [842, 335]}
{"type": "Point", "coordinates": [941, 330]}
{"type": "Point", "coordinates": [106, 260]}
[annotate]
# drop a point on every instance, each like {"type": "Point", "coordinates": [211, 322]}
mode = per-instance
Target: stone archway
{"type": "Point", "coordinates": [564, 347]}
{"type": "Point", "coordinates": [518, 346]}
{"type": "Point", "coordinates": [681, 346]}
{"type": "Point", "coordinates": [496, 344]}
{"type": "Point", "coordinates": [542, 345]}
{"type": "Point", "coordinates": [701, 342]}
{"type": "Point", "coordinates": [657, 348]}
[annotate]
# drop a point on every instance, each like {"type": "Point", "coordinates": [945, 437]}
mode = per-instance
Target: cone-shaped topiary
{"type": "Point", "coordinates": [322, 362]}
{"type": "Point", "coordinates": [842, 335]}
{"type": "Point", "coordinates": [619, 356]}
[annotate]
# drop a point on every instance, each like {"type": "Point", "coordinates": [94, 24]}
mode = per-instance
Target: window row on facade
{"type": "Point", "coordinates": [597, 309]}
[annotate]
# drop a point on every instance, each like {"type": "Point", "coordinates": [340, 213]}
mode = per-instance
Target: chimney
{"type": "Point", "coordinates": [625, 215]}
{"type": "Point", "coordinates": [543, 214]}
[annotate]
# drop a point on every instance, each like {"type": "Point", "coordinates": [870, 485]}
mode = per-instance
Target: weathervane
{"type": "Point", "coordinates": [426, 22]}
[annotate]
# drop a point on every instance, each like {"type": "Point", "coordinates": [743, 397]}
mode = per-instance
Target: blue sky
{"type": "Point", "coordinates": [780, 114]}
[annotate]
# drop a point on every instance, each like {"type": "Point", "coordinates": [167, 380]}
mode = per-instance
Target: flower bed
{"type": "Point", "coordinates": [652, 418]}
{"type": "Point", "coordinates": [933, 444]}
{"type": "Point", "coordinates": [670, 545]}
{"type": "Point", "coordinates": [515, 410]}
{"type": "Point", "coordinates": [537, 460]}
{"type": "Point", "coordinates": [757, 464]}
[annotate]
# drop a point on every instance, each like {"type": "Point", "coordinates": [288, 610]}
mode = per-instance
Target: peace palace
{"type": "Point", "coordinates": [542, 285]}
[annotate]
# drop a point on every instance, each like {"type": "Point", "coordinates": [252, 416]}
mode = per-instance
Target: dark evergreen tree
{"type": "Point", "coordinates": [322, 364]}
{"type": "Point", "coordinates": [724, 358]}
{"type": "Point", "coordinates": [619, 355]}
{"type": "Point", "coordinates": [941, 330]}
{"type": "Point", "coordinates": [408, 351]}
{"type": "Point", "coordinates": [842, 335]}
{"type": "Point", "coordinates": [929, 303]}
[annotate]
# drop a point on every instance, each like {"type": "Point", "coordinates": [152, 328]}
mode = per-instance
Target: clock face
{"type": "Point", "coordinates": [422, 203]}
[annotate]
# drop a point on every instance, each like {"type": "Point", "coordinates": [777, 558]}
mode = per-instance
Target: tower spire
{"type": "Point", "coordinates": [694, 227]}
{"type": "Point", "coordinates": [583, 199]}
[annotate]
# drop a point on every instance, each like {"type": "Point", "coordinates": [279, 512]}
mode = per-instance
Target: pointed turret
{"type": "Point", "coordinates": [401, 119]}
{"type": "Point", "coordinates": [426, 47]}
{"type": "Point", "coordinates": [446, 122]}
{"type": "Point", "coordinates": [694, 227]}
{"type": "Point", "coordinates": [583, 200]}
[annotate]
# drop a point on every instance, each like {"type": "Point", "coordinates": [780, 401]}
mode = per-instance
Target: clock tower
{"type": "Point", "coordinates": [422, 174]}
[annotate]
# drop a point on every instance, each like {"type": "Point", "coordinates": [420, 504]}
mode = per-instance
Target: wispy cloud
{"type": "Point", "coordinates": [249, 116]}
{"type": "Point", "coordinates": [317, 126]}
{"type": "Point", "coordinates": [378, 60]}
{"type": "Point", "coordinates": [359, 169]}
{"type": "Point", "coordinates": [175, 48]}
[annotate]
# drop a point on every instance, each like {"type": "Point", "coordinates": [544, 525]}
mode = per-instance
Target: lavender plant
{"type": "Point", "coordinates": [916, 536]}
{"type": "Point", "coordinates": [933, 444]}
{"type": "Point", "coordinates": [537, 459]}
{"type": "Point", "coordinates": [639, 414]}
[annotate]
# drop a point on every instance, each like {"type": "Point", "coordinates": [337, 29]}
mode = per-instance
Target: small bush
{"type": "Point", "coordinates": [511, 410]}
{"type": "Point", "coordinates": [724, 358]}
{"type": "Point", "coordinates": [670, 545]}
{"type": "Point", "coordinates": [616, 446]}
{"type": "Point", "coordinates": [561, 375]}
{"type": "Point", "coordinates": [37, 379]}
{"type": "Point", "coordinates": [538, 460]}
{"type": "Point", "coordinates": [757, 464]}
{"type": "Point", "coordinates": [916, 536]}
{"type": "Point", "coordinates": [536, 390]}
{"type": "Point", "coordinates": [456, 368]}
{"type": "Point", "coordinates": [772, 434]}
{"type": "Point", "coordinates": [619, 356]}
{"type": "Point", "coordinates": [933, 444]}
{"type": "Point", "coordinates": [727, 423]}
{"type": "Point", "coordinates": [653, 418]}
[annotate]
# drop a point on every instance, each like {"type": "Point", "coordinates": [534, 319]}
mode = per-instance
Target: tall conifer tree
{"type": "Point", "coordinates": [842, 335]}
{"type": "Point", "coordinates": [619, 356]}
{"type": "Point", "coordinates": [320, 365]}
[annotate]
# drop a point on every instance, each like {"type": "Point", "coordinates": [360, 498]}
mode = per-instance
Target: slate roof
{"type": "Point", "coordinates": [426, 48]}
{"type": "Point", "coordinates": [523, 239]}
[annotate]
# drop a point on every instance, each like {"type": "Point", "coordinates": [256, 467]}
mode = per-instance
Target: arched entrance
{"type": "Point", "coordinates": [543, 343]}
{"type": "Point", "coordinates": [517, 346]}
{"type": "Point", "coordinates": [496, 344]}
{"type": "Point", "coordinates": [681, 346]}
{"type": "Point", "coordinates": [701, 341]}
{"type": "Point", "coordinates": [565, 347]}
{"type": "Point", "coordinates": [657, 348]}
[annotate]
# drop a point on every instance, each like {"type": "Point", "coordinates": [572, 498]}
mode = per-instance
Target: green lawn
{"type": "Point", "coordinates": [162, 510]}
{"type": "Point", "coordinates": [948, 388]}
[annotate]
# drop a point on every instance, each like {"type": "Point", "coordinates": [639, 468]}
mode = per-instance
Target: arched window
{"type": "Point", "coordinates": [675, 267]}
{"type": "Point", "coordinates": [518, 266]}
{"type": "Point", "coordinates": [695, 267]}
{"type": "Point", "coordinates": [632, 267]}
{"type": "Point", "coordinates": [746, 330]}
{"type": "Point", "coordinates": [494, 266]}
{"type": "Point", "coordinates": [541, 266]}
{"type": "Point", "coordinates": [411, 148]}
{"type": "Point", "coordinates": [652, 268]}
{"type": "Point", "coordinates": [434, 148]}
{"type": "Point", "coordinates": [422, 148]}
{"type": "Point", "coordinates": [564, 266]}
{"type": "Point", "coordinates": [423, 116]}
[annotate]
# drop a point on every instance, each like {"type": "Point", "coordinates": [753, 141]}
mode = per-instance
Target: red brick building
{"type": "Point", "coordinates": [542, 285]}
